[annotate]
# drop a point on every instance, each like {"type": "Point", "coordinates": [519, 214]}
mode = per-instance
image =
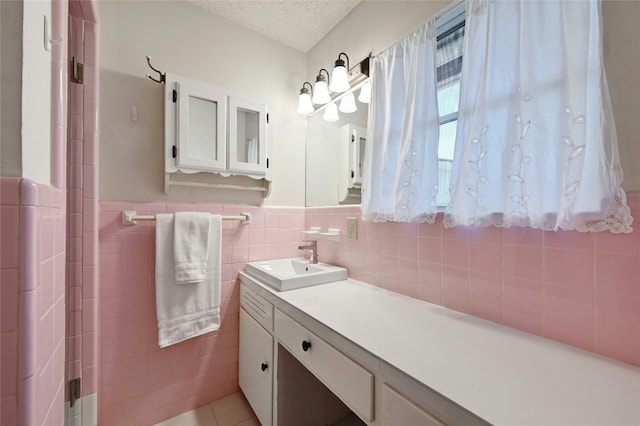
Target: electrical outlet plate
{"type": "Point", "coordinates": [352, 228]}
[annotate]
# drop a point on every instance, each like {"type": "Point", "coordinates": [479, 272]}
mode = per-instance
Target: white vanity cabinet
{"type": "Point", "coordinates": [396, 361]}
{"type": "Point", "coordinates": [353, 384]}
{"type": "Point", "coordinates": [353, 376]}
{"type": "Point", "coordinates": [211, 130]}
{"type": "Point", "coordinates": [256, 364]}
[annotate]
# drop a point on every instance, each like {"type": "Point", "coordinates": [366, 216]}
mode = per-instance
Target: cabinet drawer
{"type": "Point", "coordinates": [257, 307]}
{"type": "Point", "coordinates": [346, 379]}
{"type": "Point", "coordinates": [398, 410]}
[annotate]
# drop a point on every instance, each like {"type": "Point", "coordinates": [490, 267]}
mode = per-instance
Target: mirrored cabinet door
{"type": "Point", "coordinates": [358, 141]}
{"type": "Point", "coordinates": [247, 136]}
{"type": "Point", "coordinates": [201, 131]}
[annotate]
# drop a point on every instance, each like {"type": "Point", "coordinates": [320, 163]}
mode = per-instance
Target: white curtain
{"type": "Point", "coordinates": [536, 143]}
{"type": "Point", "coordinates": [400, 170]}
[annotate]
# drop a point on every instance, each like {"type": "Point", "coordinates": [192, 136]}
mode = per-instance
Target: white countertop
{"type": "Point", "coordinates": [502, 375]}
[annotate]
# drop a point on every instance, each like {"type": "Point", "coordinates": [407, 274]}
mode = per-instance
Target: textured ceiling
{"type": "Point", "coordinates": [296, 23]}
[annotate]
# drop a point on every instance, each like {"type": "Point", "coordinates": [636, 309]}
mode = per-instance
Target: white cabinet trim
{"type": "Point", "coordinates": [185, 162]}
{"type": "Point", "coordinates": [236, 104]}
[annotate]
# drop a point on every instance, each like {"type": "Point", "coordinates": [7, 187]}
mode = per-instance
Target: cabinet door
{"type": "Point", "coordinates": [358, 141]}
{"type": "Point", "coordinates": [201, 127]}
{"type": "Point", "coordinates": [256, 369]}
{"type": "Point", "coordinates": [397, 410]}
{"type": "Point", "coordinates": [247, 136]}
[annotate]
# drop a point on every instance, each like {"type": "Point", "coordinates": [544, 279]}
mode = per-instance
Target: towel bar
{"type": "Point", "coordinates": [130, 217]}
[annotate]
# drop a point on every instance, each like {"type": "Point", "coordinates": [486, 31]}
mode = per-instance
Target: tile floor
{"type": "Point", "coordinates": [233, 410]}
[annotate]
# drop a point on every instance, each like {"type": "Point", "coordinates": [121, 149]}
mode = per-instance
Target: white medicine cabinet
{"type": "Point", "coordinates": [211, 130]}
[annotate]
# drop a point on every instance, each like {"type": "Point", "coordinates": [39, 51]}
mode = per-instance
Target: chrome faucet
{"type": "Point", "coordinates": [312, 246]}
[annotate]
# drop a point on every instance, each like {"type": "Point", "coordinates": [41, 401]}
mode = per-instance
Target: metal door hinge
{"type": "Point", "coordinates": [75, 390]}
{"type": "Point", "coordinates": [77, 71]}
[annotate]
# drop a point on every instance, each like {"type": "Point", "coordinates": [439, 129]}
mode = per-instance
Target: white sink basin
{"type": "Point", "coordinates": [287, 274]}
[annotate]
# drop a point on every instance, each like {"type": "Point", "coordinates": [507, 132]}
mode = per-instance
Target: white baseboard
{"type": "Point", "coordinates": [83, 413]}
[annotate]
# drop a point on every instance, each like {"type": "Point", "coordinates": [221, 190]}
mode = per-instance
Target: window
{"type": "Point", "coordinates": [450, 43]}
{"type": "Point", "coordinates": [506, 149]}
{"type": "Point", "coordinates": [413, 119]}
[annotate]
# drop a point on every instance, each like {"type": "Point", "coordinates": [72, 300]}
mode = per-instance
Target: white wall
{"type": "Point", "coordinates": [36, 94]}
{"type": "Point", "coordinates": [26, 91]}
{"type": "Point", "coordinates": [186, 40]}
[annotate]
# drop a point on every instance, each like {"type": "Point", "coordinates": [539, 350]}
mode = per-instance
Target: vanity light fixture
{"type": "Point", "coordinates": [305, 106]}
{"type": "Point", "coordinates": [365, 93]}
{"type": "Point", "coordinates": [321, 89]}
{"type": "Point", "coordinates": [339, 77]}
{"type": "Point", "coordinates": [321, 95]}
{"type": "Point", "coordinates": [348, 103]}
{"type": "Point", "coordinates": [331, 112]}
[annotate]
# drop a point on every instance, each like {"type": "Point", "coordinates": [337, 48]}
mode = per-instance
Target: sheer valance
{"type": "Point", "coordinates": [536, 143]}
{"type": "Point", "coordinates": [401, 158]}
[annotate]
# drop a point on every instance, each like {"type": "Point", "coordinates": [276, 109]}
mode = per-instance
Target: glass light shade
{"type": "Point", "coordinates": [365, 93]}
{"type": "Point", "coordinates": [348, 103]}
{"type": "Point", "coordinates": [339, 80]}
{"type": "Point", "coordinates": [304, 104]}
{"type": "Point", "coordinates": [321, 93]}
{"type": "Point", "coordinates": [331, 113]}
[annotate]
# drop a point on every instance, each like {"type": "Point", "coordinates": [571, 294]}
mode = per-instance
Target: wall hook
{"type": "Point", "coordinates": [48, 41]}
{"type": "Point", "coordinates": [162, 75]}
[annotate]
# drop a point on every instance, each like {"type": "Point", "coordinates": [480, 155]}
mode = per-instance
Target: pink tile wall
{"type": "Point", "coordinates": [9, 296]}
{"type": "Point", "coordinates": [82, 235]}
{"type": "Point", "coordinates": [33, 312]}
{"type": "Point", "coordinates": [32, 272]}
{"type": "Point", "coordinates": [74, 218]}
{"type": "Point", "coordinates": [579, 289]}
{"type": "Point", "coordinates": [141, 384]}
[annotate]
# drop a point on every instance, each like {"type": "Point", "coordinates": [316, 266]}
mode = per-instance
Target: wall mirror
{"type": "Point", "coordinates": [334, 151]}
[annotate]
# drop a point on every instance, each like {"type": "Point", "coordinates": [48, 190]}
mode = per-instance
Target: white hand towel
{"type": "Point", "coordinates": [252, 150]}
{"type": "Point", "coordinates": [186, 311]}
{"type": "Point", "coordinates": [190, 246]}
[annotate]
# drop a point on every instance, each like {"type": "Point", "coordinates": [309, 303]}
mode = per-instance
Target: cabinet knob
{"type": "Point", "coordinates": [264, 366]}
{"type": "Point", "coordinates": [306, 345]}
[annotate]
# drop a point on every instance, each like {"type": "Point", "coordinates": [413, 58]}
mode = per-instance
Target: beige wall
{"type": "Point", "coordinates": [371, 27]}
{"type": "Point", "coordinates": [186, 40]}
{"type": "Point", "coordinates": [622, 63]}
{"type": "Point", "coordinates": [10, 88]}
